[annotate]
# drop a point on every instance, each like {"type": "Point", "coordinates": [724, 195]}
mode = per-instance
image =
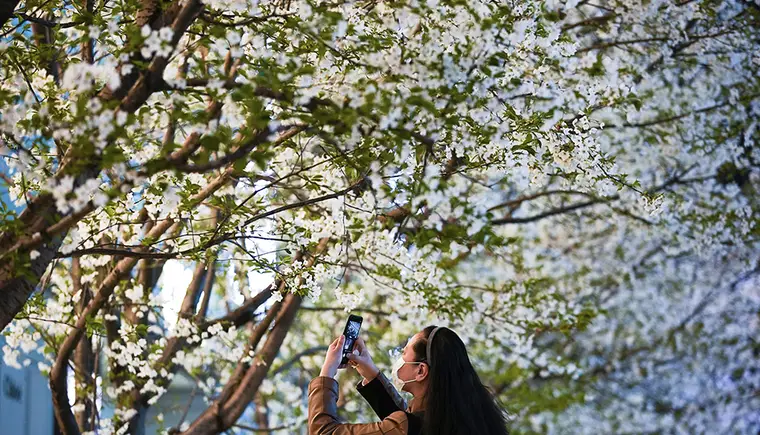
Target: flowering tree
{"type": "Point", "coordinates": [571, 186]}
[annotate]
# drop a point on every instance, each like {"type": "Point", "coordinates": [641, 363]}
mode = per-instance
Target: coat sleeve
{"type": "Point", "coordinates": [382, 396]}
{"type": "Point", "coordinates": [323, 414]}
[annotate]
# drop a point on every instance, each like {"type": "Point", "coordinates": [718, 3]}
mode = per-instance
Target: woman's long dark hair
{"type": "Point", "coordinates": [456, 403]}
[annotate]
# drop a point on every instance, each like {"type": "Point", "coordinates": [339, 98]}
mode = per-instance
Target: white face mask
{"type": "Point", "coordinates": [398, 382]}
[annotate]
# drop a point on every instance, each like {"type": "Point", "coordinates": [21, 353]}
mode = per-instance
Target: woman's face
{"type": "Point", "coordinates": [410, 371]}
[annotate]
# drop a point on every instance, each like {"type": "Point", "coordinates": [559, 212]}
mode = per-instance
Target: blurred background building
{"type": "Point", "coordinates": [26, 406]}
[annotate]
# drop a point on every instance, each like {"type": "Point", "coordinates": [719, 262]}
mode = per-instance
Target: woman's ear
{"type": "Point", "coordinates": [423, 370]}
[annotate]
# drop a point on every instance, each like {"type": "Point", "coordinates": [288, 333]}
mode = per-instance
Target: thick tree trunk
{"type": "Point", "coordinates": [44, 228]}
{"type": "Point", "coordinates": [84, 357]}
{"type": "Point", "coordinates": [16, 281]}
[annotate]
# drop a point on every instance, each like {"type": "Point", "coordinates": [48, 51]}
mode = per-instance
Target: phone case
{"type": "Point", "coordinates": [351, 331]}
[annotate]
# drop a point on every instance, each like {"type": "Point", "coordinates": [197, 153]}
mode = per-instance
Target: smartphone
{"type": "Point", "coordinates": [353, 324]}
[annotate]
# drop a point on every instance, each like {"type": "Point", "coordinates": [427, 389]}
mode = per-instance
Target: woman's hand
{"type": "Point", "coordinates": [333, 357]}
{"type": "Point", "coordinates": [361, 360]}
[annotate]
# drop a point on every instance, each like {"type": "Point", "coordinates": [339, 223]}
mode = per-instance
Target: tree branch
{"type": "Point", "coordinates": [308, 352]}
{"type": "Point", "coordinates": [122, 269]}
{"type": "Point", "coordinates": [244, 313]}
{"type": "Point", "coordinates": [84, 356]}
{"type": "Point", "coordinates": [261, 429]}
{"type": "Point", "coordinates": [552, 212]}
{"type": "Point", "coordinates": [242, 150]}
{"type": "Point", "coordinates": [744, 99]}
{"type": "Point", "coordinates": [355, 310]}
{"type": "Point", "coordinates": [226, 410]}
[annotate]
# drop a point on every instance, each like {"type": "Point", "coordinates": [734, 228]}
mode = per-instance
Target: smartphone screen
{"type": "Point", "coordinates": [351, 332]}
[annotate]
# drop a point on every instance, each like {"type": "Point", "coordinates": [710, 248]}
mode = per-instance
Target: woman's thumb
{"type": "Point", "coordinates": [353, 356]}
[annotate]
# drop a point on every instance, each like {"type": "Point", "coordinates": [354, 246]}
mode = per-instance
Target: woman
{"type": "Point", "coordinates": [449, 398]}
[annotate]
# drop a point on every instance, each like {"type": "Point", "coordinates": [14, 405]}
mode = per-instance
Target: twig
{"type": "Point", "coordinates": [46, 23]}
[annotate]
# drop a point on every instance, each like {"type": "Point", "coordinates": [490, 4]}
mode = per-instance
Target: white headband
{"type": "Point", "coordinates": [429, 344]}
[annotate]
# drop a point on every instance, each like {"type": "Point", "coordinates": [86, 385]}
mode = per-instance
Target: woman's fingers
{"type": "Point", "coordinates": [361, 346]}
{"type": "Point", "coordinates": [358, 358]}
{"type": "Point", "coordinates": [336, 342]}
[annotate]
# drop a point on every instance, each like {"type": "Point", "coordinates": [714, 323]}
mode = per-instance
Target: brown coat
{"type": "Point", "coordinates": [397, 418]}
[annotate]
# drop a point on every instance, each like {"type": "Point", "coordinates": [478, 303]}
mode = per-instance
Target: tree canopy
{"type": "Point", "coordinates": [571, 186]}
